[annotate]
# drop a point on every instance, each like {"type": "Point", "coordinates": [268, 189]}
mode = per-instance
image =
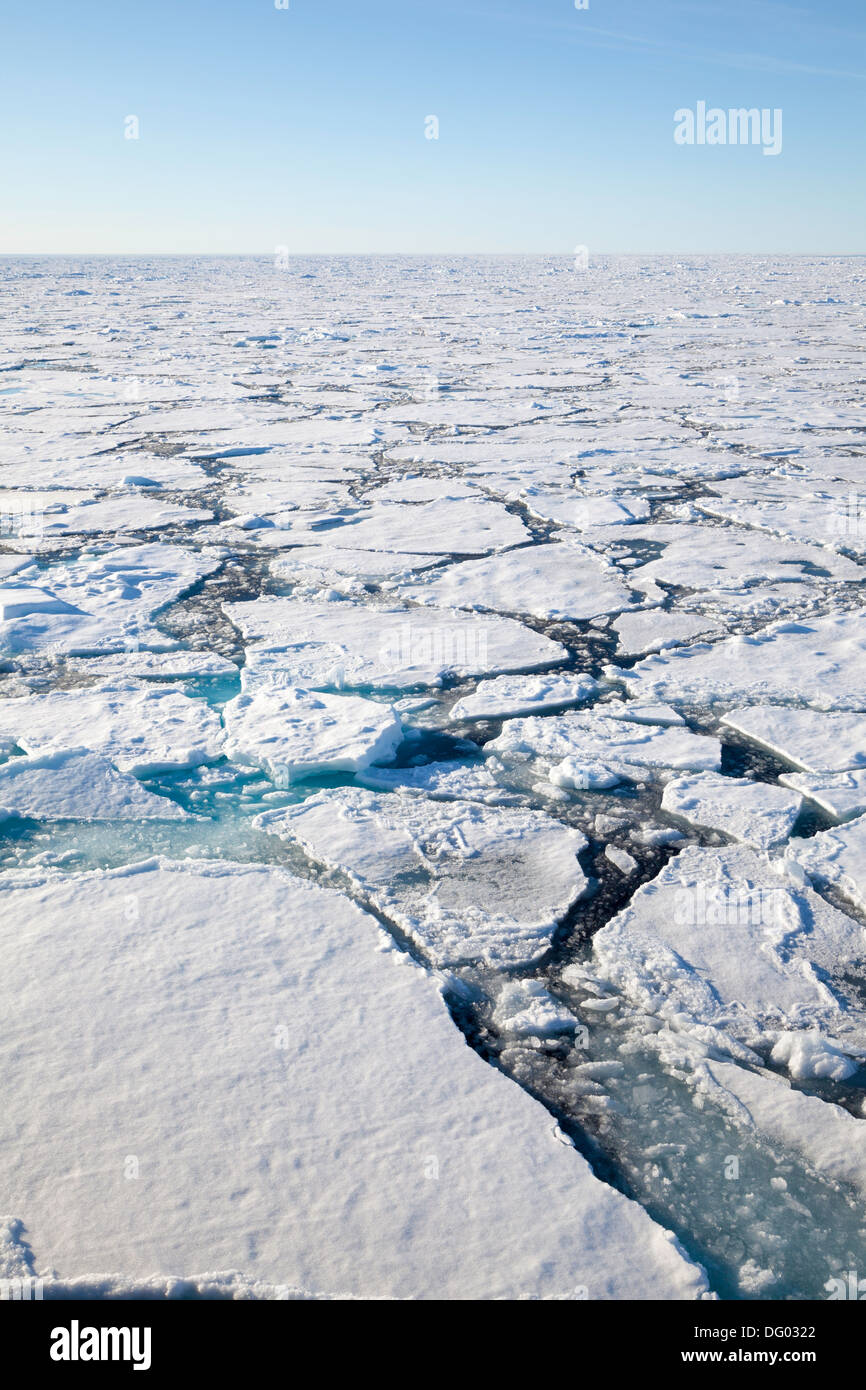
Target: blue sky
{"type": "Point", "coordinates": [305, 127]}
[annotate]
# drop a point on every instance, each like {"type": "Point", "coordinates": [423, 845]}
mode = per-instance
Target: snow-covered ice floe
{"type": "Point", "coordinates": [141, 727]}
{"type": "Point", "coordinates": [821, 663]}
{"type": "Point", "coordinates": [504, 697]}
{"type": "Point", "coordinates": [464, 880]}
{"type": "Point", "coordinates": [727, 948]}
{"type": "Point", "coordinates": [77, 785]}
{"type": "Point", "coordinates": [597, 748]}
{"type": "Point", "coordinates": [813, 740]}
{"type": "Point", "coordinates": [837, 857]}
{"type": "Point", "coordinates": [294, 733]}
{"type": "Point", "coordinates": [227, 995]}
{"type": "Point", "coordinates": [324, 645]}
{"type": "Point", "coordinates": [757, 814]}
{"type": "Point", "coordinates": [99, 601]}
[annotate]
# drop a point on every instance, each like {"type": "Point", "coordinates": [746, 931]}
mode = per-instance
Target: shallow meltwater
{"type": "Point", "coordinates": [762, 1223]}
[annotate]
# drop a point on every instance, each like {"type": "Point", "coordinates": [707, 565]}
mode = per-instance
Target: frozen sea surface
{"type": "Point", "coordinates": [433, 777]}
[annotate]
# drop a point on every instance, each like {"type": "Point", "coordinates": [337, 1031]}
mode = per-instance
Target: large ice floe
{"type": "Point", "coordinates": [432, 777]}
{"type": "Point", "coordinates": [141, 727]}
{"type": "Point", "coordinates": [821, 662]}
{"type": "Point", "coordinates": [246, 1105]}
{"type": "Point", "coordinates": [335, 644]}
{"type": "Point", "coordinates": [295, 733]}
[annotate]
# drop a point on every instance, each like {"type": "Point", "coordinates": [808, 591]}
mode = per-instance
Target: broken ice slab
{"type": "Point", "coordinates": [456, 781]}
{"type": "Point", "coordinates": [819, 662]}
{"type": "Point", "coordinates": [464, 880]}
{"type": "Point", "coordinates": [652, 630]}
{"type": "Point", "coordinates": [465, 526]}
{"type": "Point", "coordinates": [505, 697]}
{"type": "Point", "coordinates": [104, 600]}
{"type": "Point", "coordinates": [293, 733]}
{"type": "Point", "coordinates": [76, 784]}
{"type": "Point", "coordinates": [310, 564]}
{"type": "Point", "coordinates": [610, 749]}
{"type": "Point", "coordinates": [812, 740]}
{"type": "Point", "coordinates": [828, 1138]}
{"type": "Point", "coordinates": [141, 728]}
{"type": "Point", "coordinates": [724, 946]}
{"type": "Point", "coordinates": [339, 643]}
{"type": "Point", "coordinates": [755, 813]}
{"type": "Point", "coordinates": [836, 858]}
{"type": "Point", "coordinates": [842, 795]}
{"type": "Point", "coordinates": [559, 580]}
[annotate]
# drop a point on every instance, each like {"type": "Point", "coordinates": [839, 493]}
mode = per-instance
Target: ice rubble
{"type": "Point", "coordinates": [525, 1007]}
{"type": "Point", "coordinates": [466, 881]}
{"type": "Point", "coordinates": [226, 998]}
{"type": "Point", "coordinates": [77, 785]}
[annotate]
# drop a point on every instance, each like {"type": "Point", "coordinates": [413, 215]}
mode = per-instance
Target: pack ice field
{"type": "Point", "coordinates": [433, 778]}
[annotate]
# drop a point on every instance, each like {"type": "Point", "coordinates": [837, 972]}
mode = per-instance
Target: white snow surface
{"type": "Point", "coordinates": [293, 733]}
{"type": "Point", "coordinates": [465, 880]}
{"type": "Point", "coordinates": [332, 644]}
{"type": "Point", "coordinates": [226, 997]}
{"type": "Point", "coordinates": [820, 662]}
{"type": "Point", "coordinates": [77, 785]}
{"type": "Point", "coordinates": [507, 696]}
{"type": "Point", "coordinates": [433, 491]}
{"type": "Point", "coordinates": [141, 728]}
{"type": "Point", "coordinates": [813, 740]}
{"type": "Point", "coordinates": [759, 815]}
{"type": "Point", "coordinates": [543, 581]}
{"type": "Point", "coordinates": [625, 748]}
{"type": "Point", "coordinates": [723, 945]}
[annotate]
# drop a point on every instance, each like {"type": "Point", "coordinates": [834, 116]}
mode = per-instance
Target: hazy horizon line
{"type": "Point", "coordinates": [406, 255]}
